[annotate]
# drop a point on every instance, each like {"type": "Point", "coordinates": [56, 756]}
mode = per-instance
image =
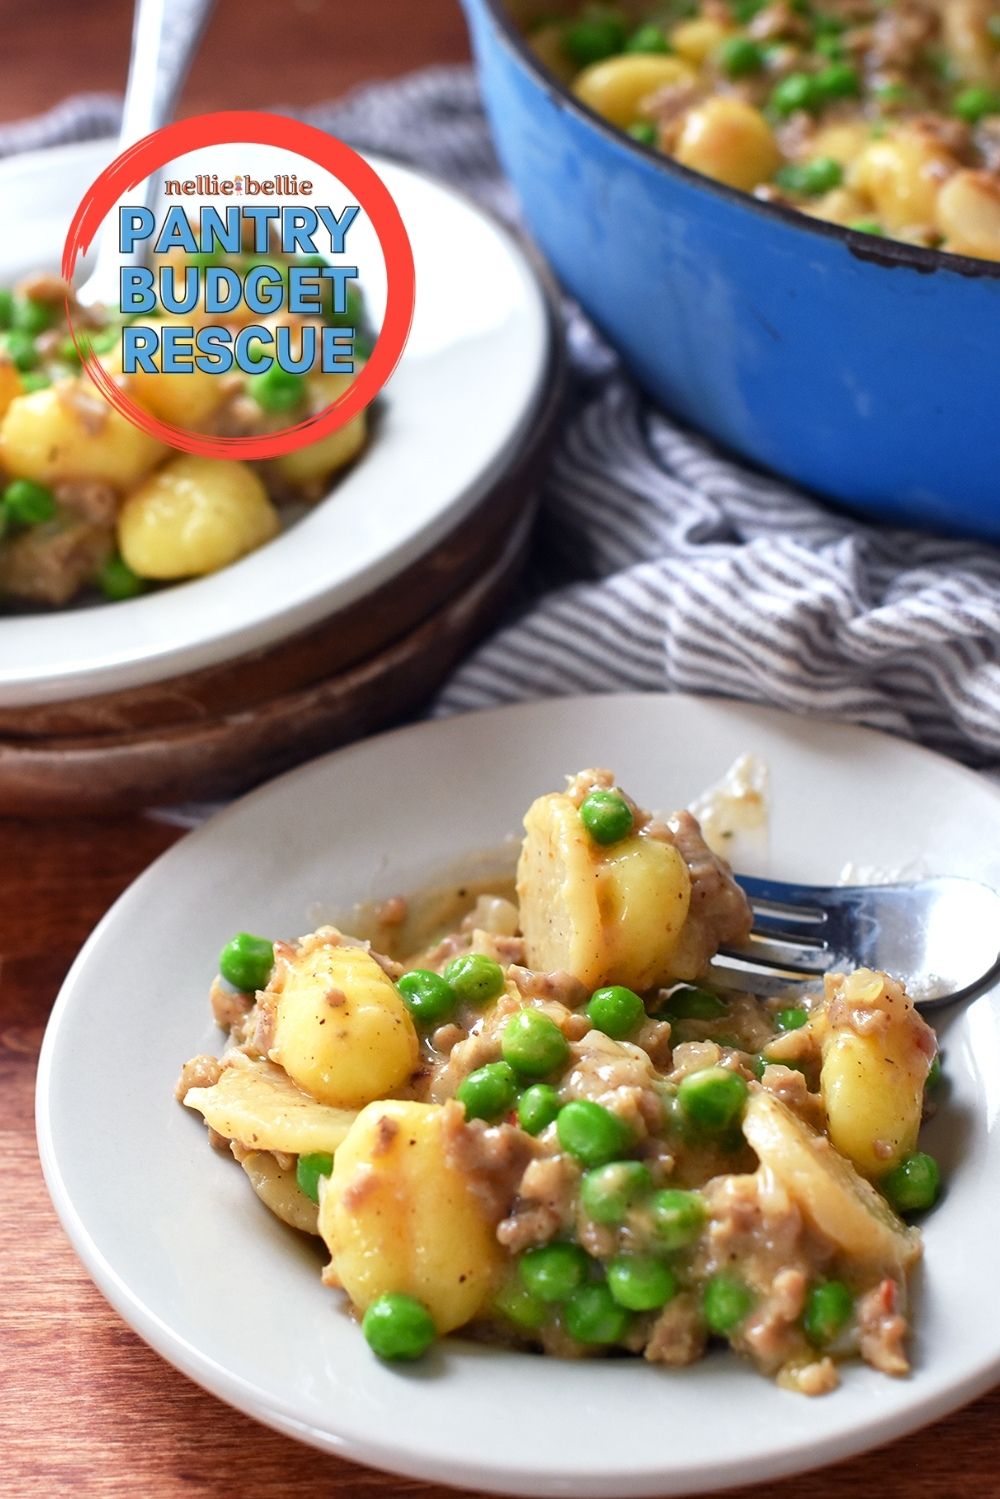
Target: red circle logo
{"type": "Point", "coordinates": [369, 191]}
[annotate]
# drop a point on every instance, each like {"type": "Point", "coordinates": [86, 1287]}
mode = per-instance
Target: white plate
{"type": "Point", "coordinates": [179, 1245]}
{"type": "Point", "coordinates": [455, 409]}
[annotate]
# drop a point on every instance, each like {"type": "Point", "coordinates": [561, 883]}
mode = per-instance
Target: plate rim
{"type": "Point", "coordinates": [124, 668]}
{"type": "Point", "coordinates": [800, 1456]}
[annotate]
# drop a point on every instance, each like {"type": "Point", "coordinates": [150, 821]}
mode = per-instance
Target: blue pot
{"type": "Point", "coordinates": [866, 370]}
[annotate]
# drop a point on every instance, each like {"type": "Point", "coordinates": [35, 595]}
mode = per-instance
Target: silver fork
{"type": "Point", "coordinates": [165, 37]}
{"type": "Point", "coordinates": [941, 936]}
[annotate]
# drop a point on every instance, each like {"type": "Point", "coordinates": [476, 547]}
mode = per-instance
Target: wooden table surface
{"type": "Point", "coordinates": [87, 1409]}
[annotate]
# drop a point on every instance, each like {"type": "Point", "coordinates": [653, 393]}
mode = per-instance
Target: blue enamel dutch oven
{"type": "Point", "coordinates": [866, 370]}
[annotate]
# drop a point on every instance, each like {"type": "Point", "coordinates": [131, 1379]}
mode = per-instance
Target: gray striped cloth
{"type": "Point", "coordinates": [661, 564]}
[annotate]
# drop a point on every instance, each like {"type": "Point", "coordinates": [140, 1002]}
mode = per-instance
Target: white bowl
{"type": "Point", "coordinates": [455, 410]}
{"type": "Point", "coordinates": [180, 1246]}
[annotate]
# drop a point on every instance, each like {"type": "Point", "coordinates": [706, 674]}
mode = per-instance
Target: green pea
{"type": "Point", "coordinates": [354, 308]}
{"type": "Point", "coordinates": [648, 38]}
{"type": "Point", "coordinates": [28, 503]}
{"type": "Point", "coordinates": [643, 131]}
{"type": "Point", "coordinates": [309, 1169]}
{"type": "Point", "coordinates": [640, 1282]}
{"type": "Point", "coordinates": [757, 1065]}
{"type": "Point", "coordinates": [607, 816]}
{"type": "Point", "coordinates": [6, 307]}
{"type": "Point", "coordinates": [934, 1075]}
{"type": "Point", "coordinates": [31, 317]}
{"type": "Point", "coordinates": [914, 1184]}
{"type": "Point", "coordinates": [726, 1302]}
{"type": "Point", "coordinates": [975, 103]}
{"type": "Point", "coordinates": [676, 1216]}
{"type": "Point", "coordinates": [593, 1315]}
{"type": "Point", "coordinates": [515, 1302]}
{"type": "Point", "coordinates": [608, 1192]}
{"type": "Point", "coordinates": [553, 1271]}
{"type": "Point", "coordinates": [942, 63]}
{"type": "Point", "coordinates": [202, 259]}
{"type": "Point", "coordinates": [838, 81]}
{"type": "Point", "coordinates": [488, 1092]}
{"type": "Point", "coordinates": [827, 1312]}
{"type": "Point", "coordinates": [810, 177]}
{"type": "Point", "coordinates": [35, 380]}
{"type": "Point", "coordinates": [475, 978]}
{"type": "Point", "coordinates": [867, 226]}
{"type": "Point", "coordinates": [692, 1003]}
{"type": "Point", "coordinates": [591, 1133]}
{"type": "Point", "coordinates": [277, 389]}
{"type": "Point", "coordinates": [791, 1020]}
{"type": "Point", "coordinates": [246, 962]}
{"type": "Point", "coordinates": [118, 582]}
{"type": "Point", "coordinates": [794, 92]}
{"type": "Point", "coordinates": [830, 46]}
{"type": "Point", "coordinates": [398, 1327]}
{"type": "Point", "coordinates": [615, 1010]}
{"type": "Point", "coordinates": [713, 1098]}
{"type": "Point", "coordinates": [537, 1107]}
{"type": "Point", "coordinates": [891, 94]}
{"type": "Point", "coordinates": [739, 56]}
{"type": "Point", "coordinates": [20, 349]}
{"type": "Point", "coordinates": [596, 35]}
{"type": "Point", "coordinates": [428, 997]}
{"type": "Point", "coordinates": [745, 10]}
{"type": "Point", "coordinates": [533, 1044]}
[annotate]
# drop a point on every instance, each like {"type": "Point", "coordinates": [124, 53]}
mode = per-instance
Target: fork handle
{"type": "Point", "coordinates": [165, 37]}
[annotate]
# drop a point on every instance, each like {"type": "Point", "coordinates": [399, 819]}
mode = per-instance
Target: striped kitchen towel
{"type": "Point", "coordinates": [663, 564]}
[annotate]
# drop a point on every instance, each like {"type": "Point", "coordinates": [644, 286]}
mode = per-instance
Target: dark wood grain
{"type": "Point", "coordinates": [87, 1409]}
{"type": "Point", "coordinates": [255, 53]}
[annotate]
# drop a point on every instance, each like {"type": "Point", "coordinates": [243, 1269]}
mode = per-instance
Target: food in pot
{"type": "Point", "coordinates": [879, 115]}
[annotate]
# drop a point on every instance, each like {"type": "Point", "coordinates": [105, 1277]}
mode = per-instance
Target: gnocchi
{"type": "Point", "coordinates": [112, 509]}
{"type": "Point", "coordinates": [895, 102]}
{"type": "Point", "coordinates": [342, 1031]}
{"type": "Point", "coordinates": [193, 516]}
{"type": "Point", "coordinates": [398, 1216]}
{"type": "Point", "coordinates": [519, 1122]}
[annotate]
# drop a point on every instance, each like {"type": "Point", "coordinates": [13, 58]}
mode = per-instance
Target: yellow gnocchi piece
{"type": "Point", "coordinates": [697, 38]}
{"type": "Point", "coordinates": [257, 1104]}
{"type": "Point", "coordinates": [68, 431]}
{"type": "Point", "coordinates": [193, 516]}
{"type": "Point", "coordinates": [604, 914]}
{"type": "Point", "coordinates": [341, 1030]}
{"type": "Point", "coordinates": [278, 1190]}
{"type": "Point", "coordinates": [318, 459]}
{"type": "Point", "coordinates": [968, 214]}
{"type": "Point", "coordinates": [902, 174]}
{"type": "Point", "coordinates": [729, 140]}
{"type": "Point", "coordinates": [397, 1216]}
{"type": "Point", "coordinates": [619, 87]}
{"type": "Point", "coordinates": [10, 384]}
{"type": "Point", "coordinates": [873, 1083]}
{"type": "Point", "coordinates": [845, 1208]}
{"type": "Point", "coordinates": [187, 399]}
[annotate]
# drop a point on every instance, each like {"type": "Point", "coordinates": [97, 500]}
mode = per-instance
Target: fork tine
{"type": "Point", "coordinates": [774, 897]}
{"type": "Point", "coordinates": [778, 929]}
{"type": "Point", "coordinates": [760, 950]}
{"type": "Point", "coordinates": [731, 973]}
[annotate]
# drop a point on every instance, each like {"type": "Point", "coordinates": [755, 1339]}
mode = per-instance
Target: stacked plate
{"type": "Point", "coordinates": [356, 612]}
